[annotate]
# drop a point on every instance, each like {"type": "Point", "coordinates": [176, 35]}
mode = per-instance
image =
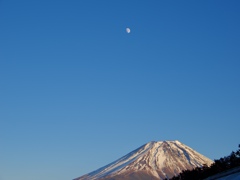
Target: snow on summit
{"type": "Point", "coordinates": [155, 160]}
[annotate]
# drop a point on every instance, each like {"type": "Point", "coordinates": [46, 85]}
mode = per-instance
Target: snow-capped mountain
{"type": "Point", "coordinates": [154, 160]}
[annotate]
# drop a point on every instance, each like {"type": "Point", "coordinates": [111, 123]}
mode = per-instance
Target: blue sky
{"type": "Point", "coordinates": [77, 91]}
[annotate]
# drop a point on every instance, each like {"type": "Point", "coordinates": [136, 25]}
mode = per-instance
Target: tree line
{"type": "Point", "coordinates": [219, 165]}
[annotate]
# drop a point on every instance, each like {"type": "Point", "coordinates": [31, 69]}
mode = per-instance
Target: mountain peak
{"type": "Point", "coordinates": [156, 160]}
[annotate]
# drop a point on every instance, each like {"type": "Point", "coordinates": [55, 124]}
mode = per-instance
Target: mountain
{"type": "Point", "coordinates": [152, 161]}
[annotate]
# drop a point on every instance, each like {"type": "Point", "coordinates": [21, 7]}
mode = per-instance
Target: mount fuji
{"type": "Point", "coordinates": [152, 161]}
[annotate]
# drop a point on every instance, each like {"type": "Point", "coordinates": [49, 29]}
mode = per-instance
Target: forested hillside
{"type": "Point", "coordinates": [219, 165]}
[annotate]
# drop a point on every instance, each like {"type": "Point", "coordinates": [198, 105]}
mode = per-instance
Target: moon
{"type": "Point", "coordinates": [128, 30]}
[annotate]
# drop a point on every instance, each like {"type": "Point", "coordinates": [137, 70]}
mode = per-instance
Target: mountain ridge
{"type": "Point", "coordinates": [153, 160]}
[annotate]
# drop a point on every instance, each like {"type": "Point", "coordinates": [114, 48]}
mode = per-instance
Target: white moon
{"type": "Point", "coordinates": [128, 30]}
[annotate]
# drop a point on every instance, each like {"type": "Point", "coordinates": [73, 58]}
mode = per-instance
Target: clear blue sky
{"type": "Point", "coordinates": [77, 91]}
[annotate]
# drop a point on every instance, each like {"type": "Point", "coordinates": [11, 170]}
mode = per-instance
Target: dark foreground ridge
{"type": "Point", "coordinates": [220, 168]}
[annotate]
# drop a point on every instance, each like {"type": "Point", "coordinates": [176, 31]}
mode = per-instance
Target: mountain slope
{"type": "Point", "coordinates": [154, 160]}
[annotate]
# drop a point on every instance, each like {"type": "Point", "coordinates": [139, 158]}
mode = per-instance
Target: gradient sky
{"type": "Point", "coordinates": [77, 92]}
